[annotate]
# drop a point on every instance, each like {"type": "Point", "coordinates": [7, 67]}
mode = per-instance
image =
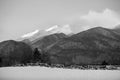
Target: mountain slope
{"type": "Point", "coordinates": [88, 47]}
{"type": "Point", "coordinates": [117, 29]}
{"type": "Point", "coordinates": [12, 52]}
{"type": "Point", "coordinates": [47, 41]}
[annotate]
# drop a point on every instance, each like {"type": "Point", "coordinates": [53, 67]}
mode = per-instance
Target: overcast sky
{"type": "Point", "coordinates": [18, 17]}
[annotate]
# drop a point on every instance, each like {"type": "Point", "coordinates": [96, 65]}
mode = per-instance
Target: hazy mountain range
{"type": "Point", "coordinates": [87, 47]}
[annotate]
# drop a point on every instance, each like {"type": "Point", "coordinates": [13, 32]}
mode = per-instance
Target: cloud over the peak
{"type": "Point", "coordinates": [107, 18]}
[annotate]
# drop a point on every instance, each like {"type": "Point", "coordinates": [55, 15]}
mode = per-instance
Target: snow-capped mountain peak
{"type": "Point", "coordinates": [30, 34]}
{"type": "Point", "coordinates": [54, 29]}
{"type": "Point", "coordinates": [59, 29]}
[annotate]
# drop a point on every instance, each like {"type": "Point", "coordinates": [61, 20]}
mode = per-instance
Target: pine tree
{"type": "Point", "coordinates": [104, 63]}
{"type": "Point", "coordinates": [0, 62]}
{"type": "Point", "coordinates": [36, 54]}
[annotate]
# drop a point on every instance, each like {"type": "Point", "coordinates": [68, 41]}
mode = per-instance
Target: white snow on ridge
{"type": "Point", "coordinates": [52, 28]}
{"type": "Point", "coordinates": [60, 29]}
{"type": "Point", "coordinates": [30, 34]}
{"type": "Point", "coordinates": [44, 73]}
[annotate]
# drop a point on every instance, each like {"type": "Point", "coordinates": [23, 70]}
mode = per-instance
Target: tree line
{"type": "Point", "coordinates": [41, 56]}
{"type": "Point", "coordinates": [44, 57]}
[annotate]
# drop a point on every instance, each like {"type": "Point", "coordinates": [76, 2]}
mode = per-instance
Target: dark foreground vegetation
{"type": "Point", "coordinates": [82, 67]}
{"type": "Point", "coordinates": [42, 60]}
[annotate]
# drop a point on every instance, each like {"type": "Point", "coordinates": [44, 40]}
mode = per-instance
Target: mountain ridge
{"type": "Point", "coordinates": [88, 47]}
{"type": "Point", "coordinates": [52, 30]}
{"type": "Point", "coordinates": [92, 46]}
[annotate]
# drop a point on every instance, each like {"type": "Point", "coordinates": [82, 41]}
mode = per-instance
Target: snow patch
{"type": "Point", "coordinates": [30, 34]}
{"type": "Point", "coordinates": [52, 28]}
{"type": "Point", "coordinates": [60, 29]}
{"type": "Point", "coordinates": [44, 73]}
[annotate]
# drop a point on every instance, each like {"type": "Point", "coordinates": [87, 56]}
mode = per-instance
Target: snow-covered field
{"type": "Point", "coordinates": [44, 73]}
